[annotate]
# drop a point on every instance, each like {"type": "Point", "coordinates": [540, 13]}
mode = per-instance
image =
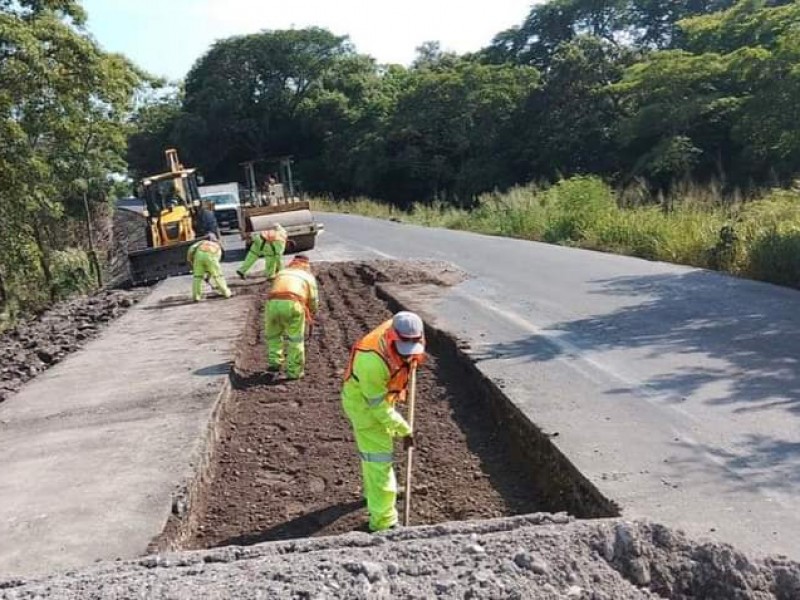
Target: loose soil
{"type": "Point", "coordinates": [286, 463]}
{"type": "Point", "coordinates": [37, 344]}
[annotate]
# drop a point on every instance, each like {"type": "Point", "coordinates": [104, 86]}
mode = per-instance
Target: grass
{"type": "Point", "coordinates": [759, 239]}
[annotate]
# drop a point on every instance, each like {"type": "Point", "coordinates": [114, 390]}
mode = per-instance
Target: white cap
{"type": "Point", "coordinates": [411, 331]}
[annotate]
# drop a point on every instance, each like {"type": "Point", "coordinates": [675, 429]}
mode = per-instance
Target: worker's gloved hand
{"type": "Point", "coordinates": [240, 274]}
{"type": "Point", "coordinates": [408, 442]}
{"type": "Point", "coordinates": [396, 397]}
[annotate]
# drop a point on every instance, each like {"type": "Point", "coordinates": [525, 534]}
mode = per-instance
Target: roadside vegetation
{"type": "Point", "coordinates": [64, 106]}
{"type": "Point", "coordinates": [759, 239]}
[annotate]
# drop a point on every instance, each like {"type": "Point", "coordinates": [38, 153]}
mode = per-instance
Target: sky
{"type": "Point", "coordinates": [166, 37]}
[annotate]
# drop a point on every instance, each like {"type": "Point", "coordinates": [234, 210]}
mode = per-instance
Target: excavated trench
{"type": "Point", "coordinates": [284, 465]}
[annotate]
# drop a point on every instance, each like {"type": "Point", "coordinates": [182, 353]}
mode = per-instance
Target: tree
{"type": "Point", "coordinates": [63, 105]}
{"type": "Point", "coordinates": [567, 125]}
{"type": "Point", "coordinates": [245, 97]}
{"type": "Point", "coordinates": [642, 24]}
{"type": "Point", "coordinates": [445, 136]}
{"type": "Point", "coordinates": [723, 108]}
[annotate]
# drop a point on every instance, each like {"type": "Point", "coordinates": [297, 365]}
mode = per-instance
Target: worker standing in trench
{"type": "Point", "coordinates": [269, 244]}
{"type": "Point", "coordinates": [376, 378]}
{"type": "Point", "coordinates": [204, 256]}
{"type": "Point", "coordinates": [292, 302]}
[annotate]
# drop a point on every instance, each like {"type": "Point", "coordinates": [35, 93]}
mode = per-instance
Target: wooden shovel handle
{"type": "Point", "coordinates": [410, 452]}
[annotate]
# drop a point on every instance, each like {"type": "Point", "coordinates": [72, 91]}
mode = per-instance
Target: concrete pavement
{"type": "Point", "coordinates": [676, 391]}
{"type": "Point", "coordinates": [92, 450]}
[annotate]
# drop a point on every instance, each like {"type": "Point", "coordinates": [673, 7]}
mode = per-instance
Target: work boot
{"type": "Point", "coordinates": [241, 275]}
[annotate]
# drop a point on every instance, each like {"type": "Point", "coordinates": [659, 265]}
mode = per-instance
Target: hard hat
{"type": "Point", "coordinates": [410, 333]}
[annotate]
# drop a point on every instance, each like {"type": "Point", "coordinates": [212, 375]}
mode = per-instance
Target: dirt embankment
{"type": "Point", "coordinates": [128, 234]}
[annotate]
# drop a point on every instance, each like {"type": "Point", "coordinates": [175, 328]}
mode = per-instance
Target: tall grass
{"type": "Point", "coordinates": [759, 238]}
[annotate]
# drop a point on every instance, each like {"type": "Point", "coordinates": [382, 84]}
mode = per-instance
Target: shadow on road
{"type": "Point", "coordinates": [744, 338]}
{"type": "Point", "coordinates": [219, 369]}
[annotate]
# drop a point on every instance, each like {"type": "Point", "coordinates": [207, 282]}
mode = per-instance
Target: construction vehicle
{"type": "Point", "coordinates": [276, 201]}
{"type": "Point", "coordinates": [226, 199]}
{"type": "Point", "coordinates": [171, 202]}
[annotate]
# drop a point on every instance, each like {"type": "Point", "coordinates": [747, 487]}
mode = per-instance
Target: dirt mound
{"type": "Point", "coordinates": [37, 344]}
{"type": "Point", "coordinates": [536, 556]}
{"type": "Point", "coordinates": [129, 233]}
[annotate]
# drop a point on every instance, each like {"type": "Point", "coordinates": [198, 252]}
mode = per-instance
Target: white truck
{"type": "Point", "coordinates": [225, 197]}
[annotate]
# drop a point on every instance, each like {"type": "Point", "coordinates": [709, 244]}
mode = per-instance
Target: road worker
{"type": "Point", "coordinates": [375, 379]}
{"type": "Point", "coordinates": [270, 245]}
{"type": "Point", "coordinates": [204, 256]}
{"type": "Point", "coordinates": [292, 302]}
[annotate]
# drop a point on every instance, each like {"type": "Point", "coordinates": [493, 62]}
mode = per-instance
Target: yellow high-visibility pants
{"type": "Point", "coordinates": [285, 322]}
{"type": "Point", "coordinates": [205, 263]}
{"type": "Point", "coordinates": [376, 449]}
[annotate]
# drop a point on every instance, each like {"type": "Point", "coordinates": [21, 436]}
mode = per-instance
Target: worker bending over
{"type": "Point", "coordinates": [270, 245]}
{"type": "Point", "coordinates": [292, 303]}
{"type": "Point", "coordinates": [376, 378]}
{"type": "Point", "coordinates": [204, 256]}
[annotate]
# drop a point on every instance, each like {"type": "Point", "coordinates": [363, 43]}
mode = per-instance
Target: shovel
{"type": "Point", "coordinates": [412, 386]}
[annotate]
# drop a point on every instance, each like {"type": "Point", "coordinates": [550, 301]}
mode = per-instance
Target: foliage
{"type": "Point", "coordinates": [759, 238]}
{"type": "Point", "coordinates": [63, 106]}
{"type": "Point", "coordinates": [631, 90]}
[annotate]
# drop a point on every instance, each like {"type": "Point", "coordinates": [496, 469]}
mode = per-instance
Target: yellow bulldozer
{"type": "Point", "coordinates": [171, 202]}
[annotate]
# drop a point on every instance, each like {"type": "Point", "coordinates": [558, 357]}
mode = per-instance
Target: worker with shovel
{"type": "Point", "coordinates": [292, 302]}
{"type": "Point", "coordinates": [270, 245]}
{"type": "Point", "coordinates": [204, 256]}
{"type": "Point", "coordinates": [376, 378]}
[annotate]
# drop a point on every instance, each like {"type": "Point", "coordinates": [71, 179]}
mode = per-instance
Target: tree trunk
{"type": "Point", "coordinates": [3, 293]}
{"type": "Point", "coordinates": [44, 259]}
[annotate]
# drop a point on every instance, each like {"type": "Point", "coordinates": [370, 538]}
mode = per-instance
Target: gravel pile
{"type": "Point", "coordinates": [37, 344]}
{"type": "Point", "coordinates": [537, 556]}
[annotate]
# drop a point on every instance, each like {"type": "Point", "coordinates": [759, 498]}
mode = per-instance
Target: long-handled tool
{"type": "Point", "coordinates": [412, 396]}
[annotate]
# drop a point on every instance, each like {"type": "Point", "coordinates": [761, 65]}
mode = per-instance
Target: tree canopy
{"type": "Point", "coordinates": [63, 110]}
{"type": "Point", "coordinates": [653, 89]}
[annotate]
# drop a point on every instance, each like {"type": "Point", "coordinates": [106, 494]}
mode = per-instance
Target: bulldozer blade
{"type": "Point", "coordinates": [154, 264]}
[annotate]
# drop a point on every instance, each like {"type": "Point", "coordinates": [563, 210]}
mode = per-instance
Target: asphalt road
{"type": "Point", "coordinates": [676, 391]}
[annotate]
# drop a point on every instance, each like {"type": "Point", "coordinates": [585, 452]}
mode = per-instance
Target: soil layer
{"type": "Point", "coordinates": [286, 467]}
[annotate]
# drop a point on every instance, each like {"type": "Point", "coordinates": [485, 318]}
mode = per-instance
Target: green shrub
{"type": "Point", "coordinates": [758, 239]}
{"type": "Point", "coordinates": [774, 256]}
{"type": "Point", "coordinates": [72, 272]}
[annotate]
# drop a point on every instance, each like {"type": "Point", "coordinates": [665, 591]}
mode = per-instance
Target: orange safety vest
{"type": "Point", "coordinates": [205, 246]}
{"type": "Point", "coordinates": [209, 246]}
{"type": "Point", "coordinates": [273, 235]}
{"type": "Point", "coordinates": [378, 341]}
{"type": "Point", "coordinates": [288, 286]}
